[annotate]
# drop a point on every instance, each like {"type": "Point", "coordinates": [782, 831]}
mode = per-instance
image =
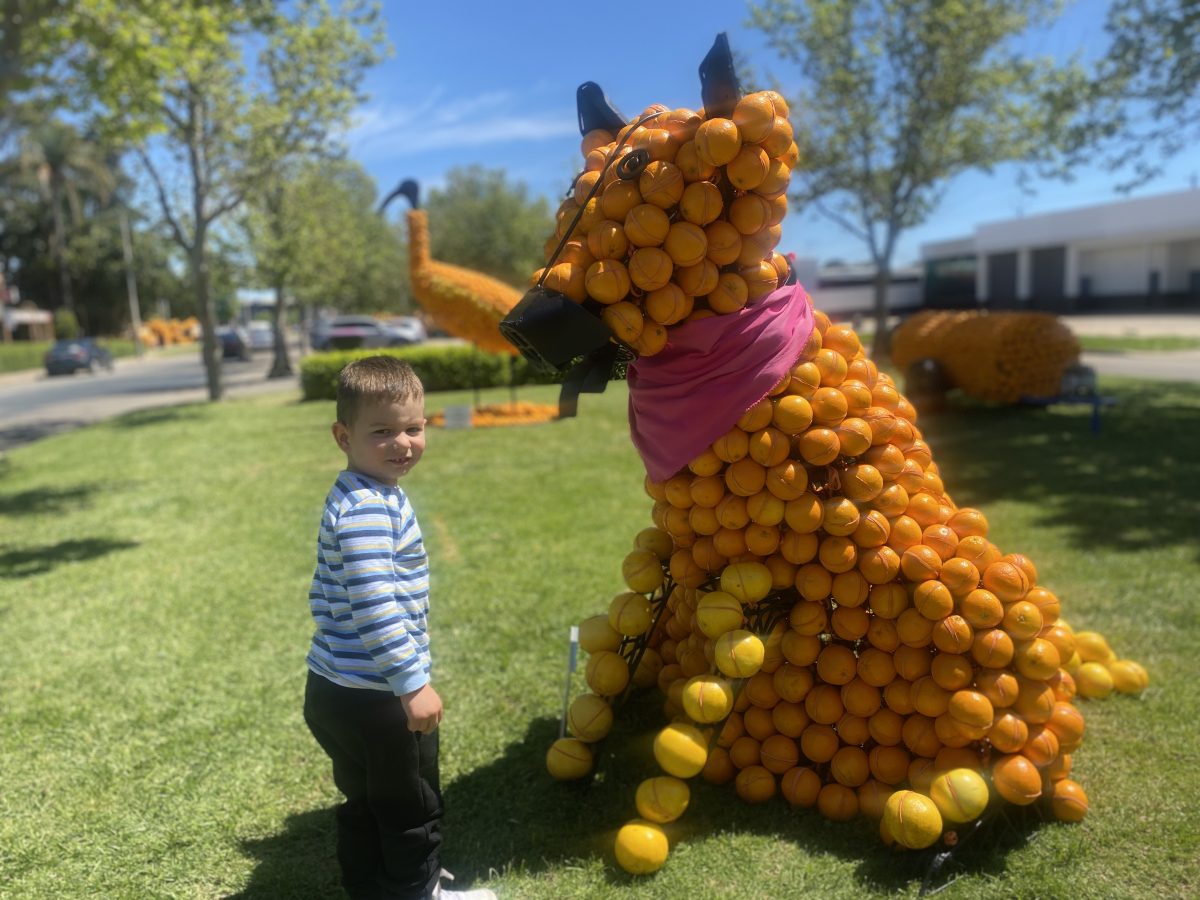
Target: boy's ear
{"type": "Point", "coordinates": [341, 436]}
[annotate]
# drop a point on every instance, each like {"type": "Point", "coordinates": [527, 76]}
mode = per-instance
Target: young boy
{"type": "Point", "coordinates": [369, 701]}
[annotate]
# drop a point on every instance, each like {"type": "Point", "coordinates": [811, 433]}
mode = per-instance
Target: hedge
{"type": "Point", "coordinates": [443, 368]}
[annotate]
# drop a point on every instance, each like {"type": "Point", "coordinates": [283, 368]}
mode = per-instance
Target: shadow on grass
{"type": "Point", "coordinates": [38, 560]}
{"type": "Point", "coordinates": [44, 500]}
{"type": "Point", "coordinates": [298, 862]}
{"type": "Point", "coordinates": [1134, 485]}
{"type": "Point", "coordinates": [510, 815]}
{"type": "Point", "coordinates": [159, 415]}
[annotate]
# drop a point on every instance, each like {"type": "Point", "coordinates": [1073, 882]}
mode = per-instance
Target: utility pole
{"type": "Point", "coordinates": [135, 314]}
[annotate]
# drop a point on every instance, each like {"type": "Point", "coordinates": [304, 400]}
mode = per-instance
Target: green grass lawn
{"type": "Point", "coordinates": [1119, 343]}
{"type": "Point", "coordinates": [153, 581]}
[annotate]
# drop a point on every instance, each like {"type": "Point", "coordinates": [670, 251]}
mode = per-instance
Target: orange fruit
{"type": "Point", "coordinates": [952, 634]}
{"type": "Point", "coordinates": [1041, 748]}
{"type": "Point", "coordinates": [1016, 779]}
{"type": "Point", "coordinates": [607, 281]}
{"type": "Point", "coordinates": [717, 141]}
{"type": "Point", "coordinates": [836, 664]}
{"type": "Point", "coordinates": [932, 599]}
{"type": "Point", "coordinates": [779, 139]}
{"type": "Point", "coordinates": [650, 268]}
{"type": "Point", "coordinates": [889, 763]}
{"type": "Point", "coordinates": [779, 753]}
{"type": "Point", "coordinates": [1068, 800]}
{"type": "Point", "coordinates": [819, 446]}
{"type": "Point", "coordinates": [952, 671]}
{"type": "Point", "coordinates": [800, 786]}
{"type": "Point", "coordinates": [999, 686]}
{"type": "Point", "coordinates": [1037, 659]}
{"type": "Point", "coordinates": [755, 784]}
{"type": "Point", "coordinates": [661, 183]}
{"type": "Point", "coordinates": [730, 294]}
{"type": "Point", "coordinates": [748, 168]}
{"type": "Point", "coordinates": [982, 609]}
{"type": "Point", "coordinates": [837, 802]}
{"type": "Point", "coordinates": [761, 279]}
{"type": "Point", "coordinates": [690, 163]}
{"type": "Point", "coordinates": [754, 116]}
{"type": "Point", "coordinates": [749, 214]}
{"type": "Point", "coordinates": [624, 319]}
{"type": "Point", "coordinates": [646, 225]}
{"type": "Point", "coordinates": [849, 766]}
{"type": "Point", "coordinates": [971, 708]}
{"type": "Point", "coordinates": [700, 203]}
{"type": "Point", "coordinates": [668, 304]}
{"type": "Point", "coordinates": [1006, 580]}
{"type": "Point", "coordinates": [1009, 732]}
{"type": "Point", "coordinates": [920, 563]}
{"type": "Point", "coordinates": [819, 742]}
{"type": "Point", "coordinates": [1022, 620]}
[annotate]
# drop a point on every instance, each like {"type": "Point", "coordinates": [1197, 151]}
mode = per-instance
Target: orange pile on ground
{"type": "Point", "coordinates": [500, 414]}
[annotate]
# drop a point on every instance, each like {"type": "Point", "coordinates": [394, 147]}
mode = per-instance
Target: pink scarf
{"type": "Point", "coordinates": [711, 371]}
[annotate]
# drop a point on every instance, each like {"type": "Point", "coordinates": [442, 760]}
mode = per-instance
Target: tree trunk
{"type": "Point", "coordinates": [879, 345]}
{"type": "Point", "coordinates": [208, 314]}
{"type": "Point", "coordinates": [282, 365]}
{"type": "Point", "coordinates": [60, 247]}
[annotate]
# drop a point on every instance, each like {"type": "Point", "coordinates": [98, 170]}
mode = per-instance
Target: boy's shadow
{"type": "Point", "coordinates": [297, 862]}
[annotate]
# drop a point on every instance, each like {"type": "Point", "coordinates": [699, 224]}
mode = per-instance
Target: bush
{"type": "Point", "coordinates": [448, 368]}
{"type": "Point", "coordinates": [66, 325]}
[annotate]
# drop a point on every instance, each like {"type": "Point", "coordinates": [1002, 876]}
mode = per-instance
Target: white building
{"type": "Point", "coordinates": [1127, 254]}
{"type": "Point", "coordinates": [845, 290]}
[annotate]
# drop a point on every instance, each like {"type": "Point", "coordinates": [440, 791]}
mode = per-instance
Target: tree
{"type": "Point", "coordinates": [335, 251]}
{"type": "Point", "coordinates": [27, 48]}
{"type": "Point", "coordinates": [320, 50]}
{"type": "Point", "coordinates": [176, 80]}
{"type": "Point", "coordinates": [899, 96]}
{"type": "Point", "coordinates": [1146, 89]}
{"type": "Point", "coordinates": [482, 222]}
{"type": "Point", "coordinates": [66, 163]}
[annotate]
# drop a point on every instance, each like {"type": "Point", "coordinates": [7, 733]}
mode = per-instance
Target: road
{"type": "Point", "coordinates": [1161, 365]}
{"type": "Point", "coordinates": [33, 405]}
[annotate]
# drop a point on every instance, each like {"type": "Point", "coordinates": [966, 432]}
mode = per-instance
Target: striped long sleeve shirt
{"type": "Point", "coordinates": [370, 591]}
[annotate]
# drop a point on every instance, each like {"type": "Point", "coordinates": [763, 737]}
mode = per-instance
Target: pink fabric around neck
{"type": "Point", "coordinates": [711, 371]}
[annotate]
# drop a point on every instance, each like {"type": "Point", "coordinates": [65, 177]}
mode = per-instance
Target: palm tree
{"type": "Point", "coordinates": [68, 166]}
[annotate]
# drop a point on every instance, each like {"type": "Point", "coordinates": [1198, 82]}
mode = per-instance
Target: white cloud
{"type": "Point", "coordinates": [440, 122]}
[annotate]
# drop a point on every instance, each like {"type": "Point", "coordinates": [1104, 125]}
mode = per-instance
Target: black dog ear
{"type": "Point", "coordinates": [596, 110]}
{"type": "Point", "coordinates": [719, 88]}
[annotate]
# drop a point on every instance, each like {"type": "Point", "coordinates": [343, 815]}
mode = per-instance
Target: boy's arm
{"type": "Point", "coordinates": [376, 596]}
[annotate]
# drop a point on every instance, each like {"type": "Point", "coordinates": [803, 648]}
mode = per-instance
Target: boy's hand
{"type": "Point", "coordinates": [423, 708]}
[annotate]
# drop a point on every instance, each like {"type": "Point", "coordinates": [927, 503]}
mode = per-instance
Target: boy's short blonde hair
{"type": "Point", "coordinates": [375, 378]}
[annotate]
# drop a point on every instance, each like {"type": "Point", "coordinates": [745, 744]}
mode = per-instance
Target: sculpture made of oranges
{"type": "Point", "coordinates": [693, 235]}
{"type": "Point", "coordinates": [824, 622]}
{"type": "Point", "coordinates": [997, 356]}
{"type": "Point", "coordinates": [860, 645]}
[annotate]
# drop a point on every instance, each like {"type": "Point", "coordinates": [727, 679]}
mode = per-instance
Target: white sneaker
{"type": "Point", "coordinates": [440, 893]}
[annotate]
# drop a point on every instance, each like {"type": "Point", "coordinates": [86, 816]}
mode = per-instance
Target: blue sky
{"type": "Point", "coordinates": [493, 83]}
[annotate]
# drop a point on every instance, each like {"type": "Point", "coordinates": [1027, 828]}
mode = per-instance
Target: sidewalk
{"type": "Point", "coordinates": [1136, 325]}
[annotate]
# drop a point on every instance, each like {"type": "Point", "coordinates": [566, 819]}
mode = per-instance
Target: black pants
{"type": "Point", "coordinates": [389, 828]}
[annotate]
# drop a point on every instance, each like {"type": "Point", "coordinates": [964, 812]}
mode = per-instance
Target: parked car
{"type": "Point", "coordinates": [234, 341]}
{"type": "Point", "coordinates": [410, 327]}
{"type": "Point", "coordinates": [262, 335]}
{"type": "Point", "coordinates": [350, 332]}
{"type": "Point", "coordinates": [69, 356]}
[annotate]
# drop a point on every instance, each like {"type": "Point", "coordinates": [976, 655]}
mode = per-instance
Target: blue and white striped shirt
{"type": "Point", "coordinates": [370, 591]}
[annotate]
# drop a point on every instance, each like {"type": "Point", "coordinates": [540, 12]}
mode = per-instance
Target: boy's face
{"type": "Point", "coordinates": [386, 439]}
